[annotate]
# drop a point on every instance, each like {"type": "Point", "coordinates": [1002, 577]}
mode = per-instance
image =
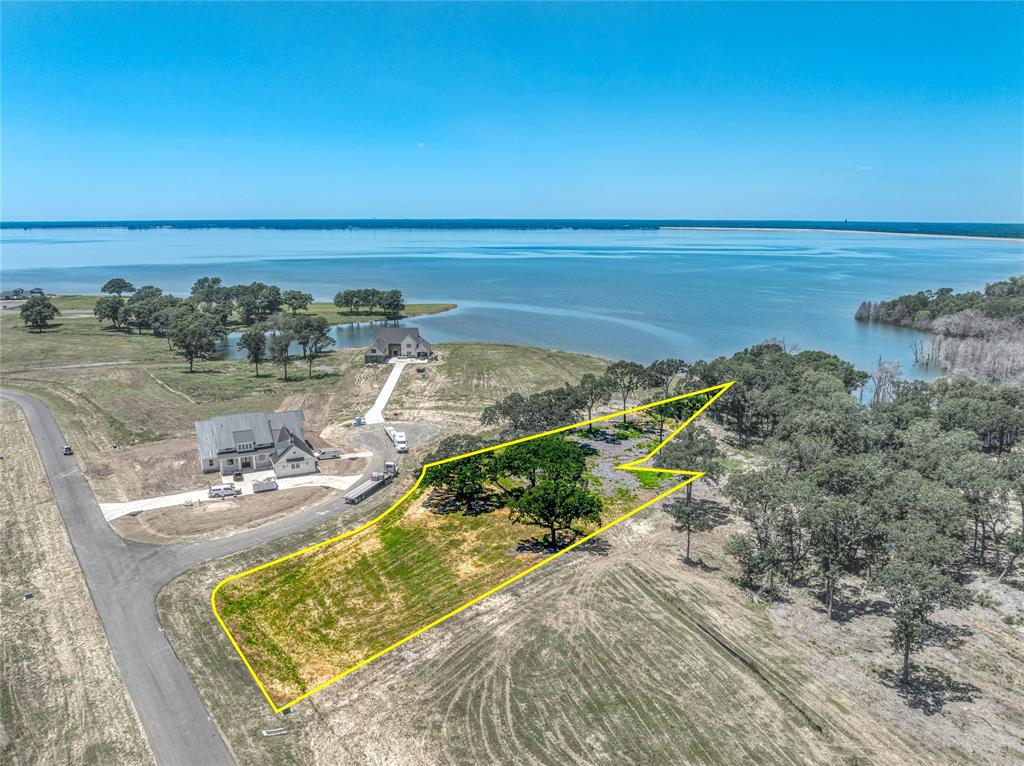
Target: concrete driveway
{"type": "Point", "coordinates": [125, 577]}
{"type": "Point", "coordinates": [113, 511]}
{"type": "Point", "coordinates": [376, 413]}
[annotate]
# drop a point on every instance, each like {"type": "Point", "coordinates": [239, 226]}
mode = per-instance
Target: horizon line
{"type": "Point", "coordinates": [468, 219]}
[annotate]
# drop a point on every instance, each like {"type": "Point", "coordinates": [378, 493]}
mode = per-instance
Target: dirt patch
{"type": "Point", "coordinates": [220, 518]}
{"type": "Point", "coordinates": [344, 466]}
{"type": "Point", "coordinates": [63, 697]}
{"type": "Point", "coordinates": [147, 470]}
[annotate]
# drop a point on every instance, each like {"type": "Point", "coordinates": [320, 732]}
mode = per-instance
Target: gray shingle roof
{"type": "Point", "coordinates": [221, 434]}
{"type": "Point", "coordinates": [285, 441]}
{"type": "Point", "coordinates": [386, 335]}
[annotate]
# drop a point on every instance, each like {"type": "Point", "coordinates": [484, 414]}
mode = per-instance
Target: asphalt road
{"type": "Point", "coordinates": [125, 577]}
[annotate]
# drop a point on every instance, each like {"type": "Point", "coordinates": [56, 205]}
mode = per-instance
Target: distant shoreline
{"type": "Point", "coordinates": [982, 231]}
{"type": "Point", "coordinates": [989, 238]}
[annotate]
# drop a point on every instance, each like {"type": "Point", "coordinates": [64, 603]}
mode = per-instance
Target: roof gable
{"type": "Point", "coordinates": [222, 434]}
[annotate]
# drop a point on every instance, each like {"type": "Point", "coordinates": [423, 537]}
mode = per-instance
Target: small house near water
{"type": "Point", "coordinates": [405, 342]}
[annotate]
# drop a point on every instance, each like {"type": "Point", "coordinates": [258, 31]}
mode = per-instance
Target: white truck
{"type": "Point", "coordinates": [223, 490]}
{"type": "Point", "coordinates": [327, 453]}
{"type": "Point", "coordinates": [397, 438]}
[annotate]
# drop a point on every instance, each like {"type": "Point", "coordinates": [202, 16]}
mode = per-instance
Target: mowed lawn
{"type": "Point", "coordinates": [308, 619]}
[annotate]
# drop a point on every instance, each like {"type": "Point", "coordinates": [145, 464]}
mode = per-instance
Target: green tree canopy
{"type": "Point", "coordinates": [593, 390]}
{"type": "Point", "coordinates": [117, 286]}
{"type": "Point", "coordinates": [464, 478]}
{"type": "Point", "coordinates": [109, 309]}
{"type": "Point", "coordinates": [296, 300]}
{"type": "Point", "coordinates": [625, 379]}
{"type": "Point", "coordinates": [553, 458]}
{"type": "Point", "coordinates": [195, 336]}
{"type": "Point", "coordinates": [254, 342]}
{"type": "Point", "coordinates": [555, 506]}
{"type": "Point", "coordinates": [693, 449]}
{"type": "Point", "coordinates": [38, 311]}
{"type": "Point", "coordinates": [279, 350]}
{"type": "Point", "coordinates": [392, 304]}
{"type": "Point", "coordinates": [544, 411]}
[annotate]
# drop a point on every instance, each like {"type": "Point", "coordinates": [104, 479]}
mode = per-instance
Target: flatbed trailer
{"type": "Point", "coordinates": [364, 490]}
{"type": "Point", "coordinates": [376, 481]}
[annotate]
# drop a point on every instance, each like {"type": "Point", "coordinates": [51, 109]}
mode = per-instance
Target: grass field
{"type": "Point", "coordinates": [621, 654]}
{"type": "Point", "coordinates": [115, 388]}
{"type": "Point", "coordinates": [61, 698]}
{"type": "Point", "coordinates": [473, 375]}
{"type": "Point", "coordinates": [77, 337]}
{"type": "Point", "coordinates": [307, 619]}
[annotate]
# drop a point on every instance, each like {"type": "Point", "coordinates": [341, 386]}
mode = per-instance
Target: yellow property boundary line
{"type": "Point", "coordinates": [631, 466]}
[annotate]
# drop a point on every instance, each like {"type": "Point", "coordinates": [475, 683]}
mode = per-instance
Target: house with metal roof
{"type": "Point", "coordinates": [255, 441]}
{"type": "Point", "coordinates": [392, 342]}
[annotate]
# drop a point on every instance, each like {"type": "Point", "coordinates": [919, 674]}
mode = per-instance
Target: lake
{"type": "Point", "coordinates": [631, 294]}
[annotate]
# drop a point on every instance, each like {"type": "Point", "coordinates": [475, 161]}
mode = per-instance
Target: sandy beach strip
{"type": "Point", "coordinates": [841, 231]}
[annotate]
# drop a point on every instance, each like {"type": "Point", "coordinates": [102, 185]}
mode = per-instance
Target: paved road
{"type": "Point", "coordinates": [125, 577]}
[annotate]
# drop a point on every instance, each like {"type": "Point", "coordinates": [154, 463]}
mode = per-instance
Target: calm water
{"type": "Point", "coordinates": [617, 293]}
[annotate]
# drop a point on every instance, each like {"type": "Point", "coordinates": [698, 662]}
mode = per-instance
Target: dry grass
{"type": "Point", "coordinates": [308, 619]}
{"type": "Point", "coordinates": [621, 653]}
{"type": "Point", "coordinates": [467, 377]}
{"type": "Point", "coordinates": [62, 699]}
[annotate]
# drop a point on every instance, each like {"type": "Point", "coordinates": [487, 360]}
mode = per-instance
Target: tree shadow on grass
{"type": "Point", "coordinates": [929, 689]}
{"type": "Point", "coordinates": [718, 514]}
{"type": "Point", "coordinates": [596, 546]}
{"type": "Point", "coordinates": [445, 503]}
{"type": "Point", "coordinates": [949, 636]}
{"type": "Point", "coordinates": [848, 607]}
{"type": "Point", "coordinates": [848, 603]}
{"type": "Point", "coordinates": [698, 563]}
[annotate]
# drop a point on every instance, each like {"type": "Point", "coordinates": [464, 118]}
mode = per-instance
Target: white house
{"type": "Point", "coordinates": [255, 441]}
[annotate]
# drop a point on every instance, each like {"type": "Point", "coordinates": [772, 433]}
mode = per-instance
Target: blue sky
{"type": "Point", "coordinates": [828, 111]}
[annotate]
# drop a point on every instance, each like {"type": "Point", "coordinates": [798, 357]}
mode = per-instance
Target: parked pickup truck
{"type": "Point", "coordinates": [264, 486]}
{"type": "Point", "coordinates": [224, 490]}
{"type": "Point", "coordinates": [327, 453]}
{"type": "Point", "coordinates": [397, 438]}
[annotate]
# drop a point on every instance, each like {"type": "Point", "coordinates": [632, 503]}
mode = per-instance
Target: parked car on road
{"type": "Point", "coordinates": [224, 490]}
{"type": "Point", "coordinates": [67, 450]}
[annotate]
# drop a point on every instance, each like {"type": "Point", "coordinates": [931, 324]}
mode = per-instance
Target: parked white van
{"type": "Point", "coordinates": [224, 490]}
{"type": "Point", "coordinates": [327, 453]}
